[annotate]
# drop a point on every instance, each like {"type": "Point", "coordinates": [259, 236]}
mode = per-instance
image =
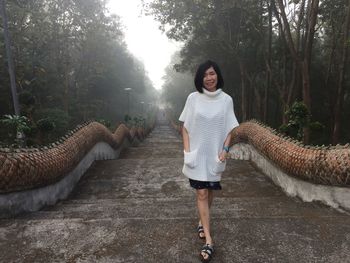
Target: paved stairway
{"type": "Point", "coordinates": [140, 208]}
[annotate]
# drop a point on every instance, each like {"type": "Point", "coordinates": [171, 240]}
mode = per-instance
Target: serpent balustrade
{"type": "Point", "coordinates": [319, 173]}
{"type": "Point", "coordinates": [312, 173]}
{"type": "Point", "coordinates": [33, 177]}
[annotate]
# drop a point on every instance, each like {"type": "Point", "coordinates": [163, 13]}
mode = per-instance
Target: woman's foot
{"type": "Point", "coordinates": [200, 231]}
{"type": "Point", "coordinates": [207, 252]}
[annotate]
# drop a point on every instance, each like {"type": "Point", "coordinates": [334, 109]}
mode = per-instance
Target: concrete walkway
{"type": "Point", "coordinates": [140, 208]}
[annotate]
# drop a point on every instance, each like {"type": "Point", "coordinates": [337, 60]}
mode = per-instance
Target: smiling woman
{"type": "Point", "coordinates": [144, 39]}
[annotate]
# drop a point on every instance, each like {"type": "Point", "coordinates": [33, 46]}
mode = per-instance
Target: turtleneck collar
{"type": "Point", "coordinates": [212, 94]}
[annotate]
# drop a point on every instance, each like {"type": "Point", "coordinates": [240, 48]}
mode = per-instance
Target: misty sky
{"type": "Point", "coordinates": [144, 39]}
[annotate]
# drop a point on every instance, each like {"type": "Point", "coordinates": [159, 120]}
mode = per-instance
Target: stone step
{"type": "Point", "coordinates": [140, 208]}
{"type": "Point", "coordinates": [174, 240]}
{"type": "Point", "coordinates": [130, 178]}
{"type": "Point", "coordinates": [184, 207]}
{"type": "Point", "coordinates": [151, 152]}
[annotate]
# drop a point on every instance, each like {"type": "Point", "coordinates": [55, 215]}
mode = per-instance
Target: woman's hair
{"type": "Point", "coordinates": [198, 79]}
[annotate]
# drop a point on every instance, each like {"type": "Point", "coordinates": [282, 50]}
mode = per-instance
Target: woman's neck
{"type": "Point", "coordinates": [211, 93]}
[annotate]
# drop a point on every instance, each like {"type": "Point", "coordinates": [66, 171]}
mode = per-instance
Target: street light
{"type": "Point", "coordinates": [142, 114]}
{"type": "Point", "coordinates": [128, 91]}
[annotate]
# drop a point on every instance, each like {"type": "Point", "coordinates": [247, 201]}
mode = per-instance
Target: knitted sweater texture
{"type": "Point", "coordinates": [208, 118]}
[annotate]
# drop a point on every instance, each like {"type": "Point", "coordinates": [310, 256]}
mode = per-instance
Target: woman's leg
{"type": "Point", "coordinates": [203, 198]}
{"type": "Point", "coordinates": [210, 197]}
{"type": "Point", "coordinates": [210, 201]}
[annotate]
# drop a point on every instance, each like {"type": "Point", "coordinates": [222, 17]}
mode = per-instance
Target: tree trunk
{"type": "Point", "coordinates": [302, 59]}
{"type": "Point", "coordinates": [288, 89]}
{"type": "Point", "coordinates": [243, 92]}
{"type": "Point", "coordinates": [330, 88]}
{"type": "Point", "coordinates": [340, 90]}
{"type": "Point", "coordinates": [9, 58]}
{"type": "Point", "coordinates": [312, 18]}
{"type": "Point", "coordinates": [268, 66]}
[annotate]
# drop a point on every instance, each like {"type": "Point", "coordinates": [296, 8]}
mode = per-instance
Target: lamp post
{"type": "Point", "coordinates": [143, 115]}
{"type": "Point", "coordinates": [128, 91]}
{"type": "Point", "coordinates": [142, 103]}
{"type": "Point", "coordinates": [150, 106]}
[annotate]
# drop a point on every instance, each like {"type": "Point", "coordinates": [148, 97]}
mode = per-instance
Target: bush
{"type": "Point", "coordinates": [53, 117]}
{"type": "Point", "coordinates": [26, 98]}
{"type": "Point", "coordinates": [18, 127]}
{"type": "Point", "coordinates": [45, 125]}
{"type": "Point", "coordinates": [316, 126]}
{"type": "Point", "coordinates": [105, 123]}
{"type": "Point", "coordinates": [298, 118]}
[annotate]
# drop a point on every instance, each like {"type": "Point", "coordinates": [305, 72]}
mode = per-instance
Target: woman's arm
{"type": "Point", "coordinates": [223, 154]}
{"type": "Point", "coordinates": [185, 139]}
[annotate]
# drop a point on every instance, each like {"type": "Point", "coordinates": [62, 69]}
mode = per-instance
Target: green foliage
{"type": "Point", "coordinates": [136, 121]}
{"type": "Point", "coordinates": [53, 118]}
{"type": "Point", "coordinates": [26, 98]}
{"type": "Point", "coordinates": [45, 125]}
{"type": "Point", "coordinates": [283, 128]}
{"type": "Point", "coordinates": [298, 118]}
{"type": "Point", "coordinates": [106, 123]}
{"type": "Point", "coordinates": [258, 65]}
{"type": "Point", "coordinates": [72, 65]}
{"type": "Point", "coordinates": [18, 126]}
{"type": "Point", "coordinates": [139, 121]}
{"type": "Point", "coordinates": [177, 87]}
{"type": "Point", "coordinates": [298, 114]}
{"type": "Point", "coordinates": [316, 126]}
{"type": "Point", "coordinates": [19, 123]}
{"type": "Point", "coordinates": [127, 118]}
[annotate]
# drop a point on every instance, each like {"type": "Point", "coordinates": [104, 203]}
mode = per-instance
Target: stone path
{"type": "Point", "coordinates": [140, 208]}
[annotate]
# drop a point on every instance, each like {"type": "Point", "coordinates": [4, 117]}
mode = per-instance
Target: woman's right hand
{"type": "Point", "coordinates": [186, 139]}
{"type": "Point", "coordinates": [223, 156]}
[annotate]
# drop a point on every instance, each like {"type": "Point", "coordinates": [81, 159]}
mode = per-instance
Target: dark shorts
{"type": "Point", "coordinates": [205, 185]}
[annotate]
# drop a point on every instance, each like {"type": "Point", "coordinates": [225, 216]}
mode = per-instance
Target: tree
{"type": "Point", "coordinates": [9, 57]}
{"type": "Point", "coordinates": [71, 56]}
{"type": "Point", "coordinates": [271, 51]}
{"type": "Point", "coordinates": [338, 107]}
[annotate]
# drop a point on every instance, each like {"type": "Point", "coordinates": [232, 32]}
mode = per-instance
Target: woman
{"type": "Point", "coordinates": [208, 118]}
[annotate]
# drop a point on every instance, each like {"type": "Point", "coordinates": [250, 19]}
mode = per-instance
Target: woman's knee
{"type": "Point", "coordinates": [202, 194]}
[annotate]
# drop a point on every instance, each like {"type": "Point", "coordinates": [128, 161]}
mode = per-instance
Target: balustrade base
{"type": "Point", "coordinates": [336, 197]}
{"type": "Point", "coordinates": [33, 200]}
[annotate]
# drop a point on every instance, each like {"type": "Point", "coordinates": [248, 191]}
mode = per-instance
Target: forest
{"type": "Point", "coordinates": [71, 65]}
{"type": "Point", "coordinates": [285, 62]}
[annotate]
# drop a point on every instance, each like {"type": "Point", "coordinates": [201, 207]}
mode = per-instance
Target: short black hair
{"type": "Point", "coordinates": [202, 68]}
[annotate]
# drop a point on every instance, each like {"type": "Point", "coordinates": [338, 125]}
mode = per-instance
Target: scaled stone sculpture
{"type": "Point", "coordinates": [24, 169]}
{"type": "Point", "coordinates": [327, 165]}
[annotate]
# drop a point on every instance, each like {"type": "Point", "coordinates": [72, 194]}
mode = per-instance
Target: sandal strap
{"type": "Point", "coordinates": [200, 229]}
{"type": "Point", "coordinates": [208, 249]}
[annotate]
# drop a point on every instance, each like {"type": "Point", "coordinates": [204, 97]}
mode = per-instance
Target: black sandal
{"type": "Point", "coordinates": [200, 230]}
{"type": "Point", "coordinates": [209, 250]}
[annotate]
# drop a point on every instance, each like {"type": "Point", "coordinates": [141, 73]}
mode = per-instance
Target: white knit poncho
{"type": "Point", "coordinates": [208, 118]}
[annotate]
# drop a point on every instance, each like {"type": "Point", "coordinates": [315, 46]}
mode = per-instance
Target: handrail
{"type": "Point", "coordinates": [324, 165]}
{"type": "Point", "coordinates": [24, 169]}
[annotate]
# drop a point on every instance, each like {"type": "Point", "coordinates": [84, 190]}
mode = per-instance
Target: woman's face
{"type": "Point", "coordinates": [210, 79]}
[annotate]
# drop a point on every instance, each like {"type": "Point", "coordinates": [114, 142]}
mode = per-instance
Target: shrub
{"type": "Point", "coordinates": [58, 118]}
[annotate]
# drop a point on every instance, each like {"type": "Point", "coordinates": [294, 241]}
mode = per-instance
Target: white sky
{"type": "Point", "coordinates": [144, 39]}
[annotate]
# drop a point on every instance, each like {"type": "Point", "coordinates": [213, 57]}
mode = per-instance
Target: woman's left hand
{"type": "Point", "coordinates": [223, 156]}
